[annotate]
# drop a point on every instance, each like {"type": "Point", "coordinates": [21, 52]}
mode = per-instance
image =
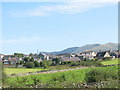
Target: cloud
{"type": "Point", "coordinates": [68, 7]}
{"type": "Point", "coordinates": [21, 40]}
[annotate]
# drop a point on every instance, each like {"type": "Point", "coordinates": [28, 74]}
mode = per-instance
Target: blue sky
{"type": "Point", "coordinates": [54, 26]}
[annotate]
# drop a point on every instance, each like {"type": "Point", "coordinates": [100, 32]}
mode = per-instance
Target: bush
{"type": "Point", "coordinates": [107, 58]}
{"type": "Point", "coordinates": [90, 63]}
{"type": "Point", "coordinates": [31, 59]}
{"type": "Point", "coordinates": [98, 75]}
{"type": "Point", "coordinates": [43, 64]}
{"type": "Point", "coordinates": [56, 61]}
{"type": "Point", "coordinates": [21, 62]}
{"type": "Point", "coordinates": [74, 64]}
{"type": "Point", "coordinates": [30, 64]}
{"type": "Point", "coordinates": [36, 64]}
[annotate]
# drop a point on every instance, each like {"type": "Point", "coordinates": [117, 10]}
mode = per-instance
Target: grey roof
{"type": "Point", "coordinates": [70, 59]}
{"type": "Point", "coordinates": [100, 54]}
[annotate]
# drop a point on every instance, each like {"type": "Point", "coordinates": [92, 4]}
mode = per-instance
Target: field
{"type": "Point", "coordinates": [10, 71]}
{"type": "Point", "coordinates": [63, 79]}
{"type": "Point", "coordinates": [114, 61]}
{"type": "Point", "coordinates": [55, 79]}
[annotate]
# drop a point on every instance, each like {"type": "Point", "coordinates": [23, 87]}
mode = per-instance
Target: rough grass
{"type": "Point", "coordinates": [55, 79]}
{"type": "Point", "coordinates": [109, 62]}
{"type": "Point", "coordinates": [9, 71]}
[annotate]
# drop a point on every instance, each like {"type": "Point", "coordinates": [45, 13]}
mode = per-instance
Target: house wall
{"type": "Point", "coordinates": [93, 54]}
{"type": "Point", "coordinates": [106, 54]}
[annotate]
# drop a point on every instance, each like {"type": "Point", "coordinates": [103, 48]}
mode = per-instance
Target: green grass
{"type": "Point", "coordinates": [9, 71]}
{"type": "Point", "coordinates": [114, 61]}
{"type": "Point", "coordinates": [75, 76]}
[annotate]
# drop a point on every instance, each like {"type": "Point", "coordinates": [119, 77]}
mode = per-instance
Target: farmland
{"type": "Point", "coordinates": [10, 71]}
{"type": "Point", "coordinates": [76, 78]}
{"type": "Point", "coordinates": [109, 62]}
{"type": "Point", "coordinates": [56, 79]}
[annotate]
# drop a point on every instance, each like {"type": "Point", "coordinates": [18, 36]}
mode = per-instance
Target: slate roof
{"type": "Point", "coordinates": [70, 59]}
{"type": "Point", "coordinates": [100, 54]}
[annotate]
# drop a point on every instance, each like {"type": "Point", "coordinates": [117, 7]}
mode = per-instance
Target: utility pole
{"type": "Point", "coordinates": [37, 52]}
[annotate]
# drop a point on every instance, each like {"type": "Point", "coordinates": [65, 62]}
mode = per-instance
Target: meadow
{"type": "Point", "coordinates": [55, 80]}
{"type": "Point", "coordinates": [109, 62]}
{"type": "Point", "coordinates": [70, 79]}
{"type": "Point", "coordinates": [11, 71]}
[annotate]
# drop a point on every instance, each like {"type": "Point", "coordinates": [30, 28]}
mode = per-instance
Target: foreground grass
{"type": "Point", "coordinates": [54, 80]}
{"type": "Point", "coordinates": [114, 61]}
{"type": "Point", "coordinates": [10, 71]}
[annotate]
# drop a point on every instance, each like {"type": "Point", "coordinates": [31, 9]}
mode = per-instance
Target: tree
{"type": "Point", "coordinates": [56, 61]}
{"type": "Point", "coordinates": [31, 59]}
{"type": "Point", "coordinates": [21, 62]}
{"type": "Point", "coordinates": [26, 59]}
{"type": "Point", "coordinates": [30, 54]}
{"type": "Point", "coordinates": [36, 64]}
{"type": "Point", "coordinates": [30, 64]}
{"type": "Point", "coordinates": [16, 65]}
{"type": "Point", "coordinates": [43, 64]}
{"type": "Point", "coordinates": [19, 55]}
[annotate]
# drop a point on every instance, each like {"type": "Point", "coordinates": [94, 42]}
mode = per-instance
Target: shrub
{"type": "Point", "coordinates": [107, 58]}
{"type": "Point", "coordinates": [31, 59]}
{"type": "Point", "coordinates": [21, 62]}
{"type": "Point", "coordinates": [98, 75]}
{"type": "Point", "coordinates": [30, 64]}
{"type": "Point", "coordinates": [74, 64]}
{"type": "Point", "coordinates": [36, 64]}
{"type": "Point", "coordinates": [43, 64]}
{"type": "Point", "coordinates": [90, 63]}
{"type": "Point", "coordinates": [56, 61]}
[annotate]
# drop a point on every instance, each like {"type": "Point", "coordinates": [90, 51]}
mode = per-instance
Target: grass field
{"type": "Point", "coordinates": [10, 71]}
{"type": "Point", "coordinates": [75, 76]}
{"type": "Point", "coordinates": [114, 61]}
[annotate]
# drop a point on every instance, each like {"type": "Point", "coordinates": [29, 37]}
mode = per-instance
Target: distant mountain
{"type": "Point", "coordinates": [86, 47]}
{"type": "Point", "coordinates": [92, 47]}
{"type": "Point", "coordinates": [106, 47]}
{"type": "Point", "coordinates": [68, 50]}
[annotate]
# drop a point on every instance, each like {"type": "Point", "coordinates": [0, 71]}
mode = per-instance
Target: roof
{"type": "Point", "coordinates": [100, 54]}
{"type": "Point", "coordinates": [70, 59]}
{"type": "Point", "coordinates": [42, 54]}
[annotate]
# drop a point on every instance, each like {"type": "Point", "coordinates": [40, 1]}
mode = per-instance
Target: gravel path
{"type": "Point", "coordinates": [40, 72]}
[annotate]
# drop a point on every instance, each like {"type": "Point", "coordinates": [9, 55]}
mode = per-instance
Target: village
{"type": "Point", "coordinates": [19, 59]}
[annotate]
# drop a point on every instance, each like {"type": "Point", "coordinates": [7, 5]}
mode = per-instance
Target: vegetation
{"type": "Point", "coordinates": [36, 64]}
{"type": "Point", "coordinates": [11, 71]}
{"type": "Point", "coordinates": [98, 75]}
{"type": "Point", "coordinates": [65, 79]}
{"type": "Point", "coordinates": [109, 62]}
{"type": "Point", "coordinates": [92, 76]}
{"type": "Point", "coordinates": [30, 64]}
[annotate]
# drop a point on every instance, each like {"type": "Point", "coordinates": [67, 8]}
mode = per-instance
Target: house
{"type": "Point", "coordinates": [1, 56]}
{"type": "Point", "coordinates": [53, 56]}
{"type": "Point", "coordinates": [43, 56]}
{"type": "Point", "coordinates": [101, 55]}
{"type": "Point", "coordinates": [113, 54]}
{"type": "Point", "coordinates": [117, 53]}
{"type": "Point", "coordinates": [86, 55]}
{"type": "Point", "coordinates": [10, 60]}
{"type": "Point", "coordinates": [70, 59]}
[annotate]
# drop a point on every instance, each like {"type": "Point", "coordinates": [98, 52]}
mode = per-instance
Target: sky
{"type": "Point", "coordinates": [54, 26]}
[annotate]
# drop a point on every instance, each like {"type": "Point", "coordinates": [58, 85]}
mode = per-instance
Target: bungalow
{"type": "Point", "coordinates": [43, 56]}
{"type": "Point", "coordinates": [70, 59]}
{"type": "Point", "coordinates": [113, 55]}
{"type": "Point", "coordinates": [51, 57]}
{"type": "Point", "coordinates": [10, 60]}
{"type": "Point", "coordinates": [1, 56]}
{"type": "Point", "coordinates": [86, 55]}
{"type": "Point", "coordinates": [101, 55]}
